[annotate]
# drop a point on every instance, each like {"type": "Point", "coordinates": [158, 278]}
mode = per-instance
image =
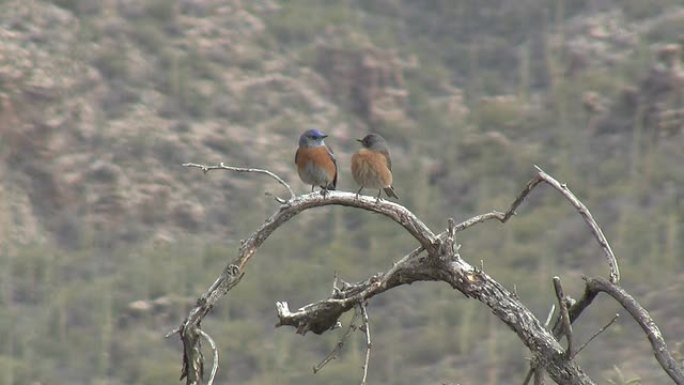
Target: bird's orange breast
{"type": "Point", "coordinates": [317, 157]}
{"type": "Point", "coordinates": [369, 169]}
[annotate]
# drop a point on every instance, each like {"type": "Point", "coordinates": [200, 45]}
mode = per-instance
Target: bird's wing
{"type": "Point", "coordinates": [386, 154]}
{"type": "Point", "coordinates": [334, 160]}
{"type": "Point", "coordinates": [297, 156]}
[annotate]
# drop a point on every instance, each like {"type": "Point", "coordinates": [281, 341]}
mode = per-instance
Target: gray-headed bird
{"type": "Point", "coordinates": [371, 166]}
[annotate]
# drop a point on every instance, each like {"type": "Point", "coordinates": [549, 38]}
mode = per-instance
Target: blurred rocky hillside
{"type": "Point", "coordinates": [102, 101]}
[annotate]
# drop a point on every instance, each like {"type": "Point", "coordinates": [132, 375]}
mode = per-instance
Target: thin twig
{"type": "Point", "coordinates": [335, 288]}
{"type": "Point", "coordinates": [521, 197]}
{"type": "Point", "coordinates": [205, 169]}
{"type": "Point", "coordinates": [366, 329]}
{"type": "Point", "coordinates": [565, 317]}
{"type": "Point", "coordinates": [451, 229]}
{"type": "Point", "coordinates": [606, 326]}
{"type": "Point", "coordinates": [173, 331]}
{"type": "Point", "coordinates": [528, 377]}
{"type": "Point", "coordinates": [479, 219]}
{"type": "Point", "coordinates": [532, 369]}
{"type": "Point", "coordinates": [340, 343]}
{"type": "Point", "coordinates": [277, 198]}
{"type": "Point", "coordinates": [550, 316]}
{"type": "Point", "coordinates": [538, 376]}
{"type": "Point", "coordinates": [214, 368]}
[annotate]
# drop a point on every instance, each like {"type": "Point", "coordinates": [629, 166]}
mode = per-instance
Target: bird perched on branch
{"type": "Point", "coordinates": [316, 164]}
{"type": "Point", "coordinates": [371, 166]}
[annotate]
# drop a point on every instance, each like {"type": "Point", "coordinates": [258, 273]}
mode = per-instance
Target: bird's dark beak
{"type": "Point", "coordinates": [324, 136]}
{"type": "Point", "coordinates": [359, 140]}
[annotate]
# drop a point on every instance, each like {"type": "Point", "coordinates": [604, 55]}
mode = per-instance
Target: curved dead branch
{"type": "Point", "coordinates": [214, 368]}
{"type": "Point", "coordinates": [589, 219]}
{"type": "Point", "coordinates": [234, 271]}
{"type": "Point", "coordinates": [674, 369]}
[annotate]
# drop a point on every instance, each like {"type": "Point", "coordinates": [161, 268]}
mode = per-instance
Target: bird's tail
{"type": "Point", "coordinates": [390, 192]}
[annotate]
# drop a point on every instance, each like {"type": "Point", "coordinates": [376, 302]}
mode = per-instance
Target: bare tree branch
{"type": "Point", "coordinates": [643, 318]}
{"type": "Point", "coordinates": [462, 277]}
{"type": "Point", "coordinates": [565, 191]}
{"type": "Point", "coordinates": [338, 346]}
{"type": "Point", "coordinates": [596, 230]}
{"type": "Point", "coordinates": [564, 316]}
{"type": "Point", "coordinates": [321, 316]}
{"type": "Point", "coordinates": [529, 374]}
{"type": "Point", "coordinates": [366, 330]}
{"type": "Point", "coordinates": [538, 376]}
{"type": "Point", "coordinates": [532, 368]}
{"type": "Point", "coordinates": [662, 354]}
{"type": "Point", "coordinates": [584, 212]}
{"type": "Point", "coordinates": [214, 368]}
{"type": "Point", "coordinates": [550, 316]}
{"type": "Point", "coordinates": [601, 330]}
{"type": "Point", "coordinates": [193, 361]}
{"type": "Point", "coordinates": [221, 166]}
{"type": "Point", "coordinates": [234, 271]}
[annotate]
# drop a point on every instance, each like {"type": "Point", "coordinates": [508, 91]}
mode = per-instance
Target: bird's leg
{"type": "Point", "coordinates": [377, 198]}
{"type": "Point", "coordinates": [359, 192]}
{"type": "Point", "coordinates": [312, 188]}
{"type": "Point", "coordinates": [324, 191]}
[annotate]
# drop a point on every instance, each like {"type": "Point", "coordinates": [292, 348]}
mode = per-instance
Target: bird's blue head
{"type": "Point", "coordinates": [312, 138]}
